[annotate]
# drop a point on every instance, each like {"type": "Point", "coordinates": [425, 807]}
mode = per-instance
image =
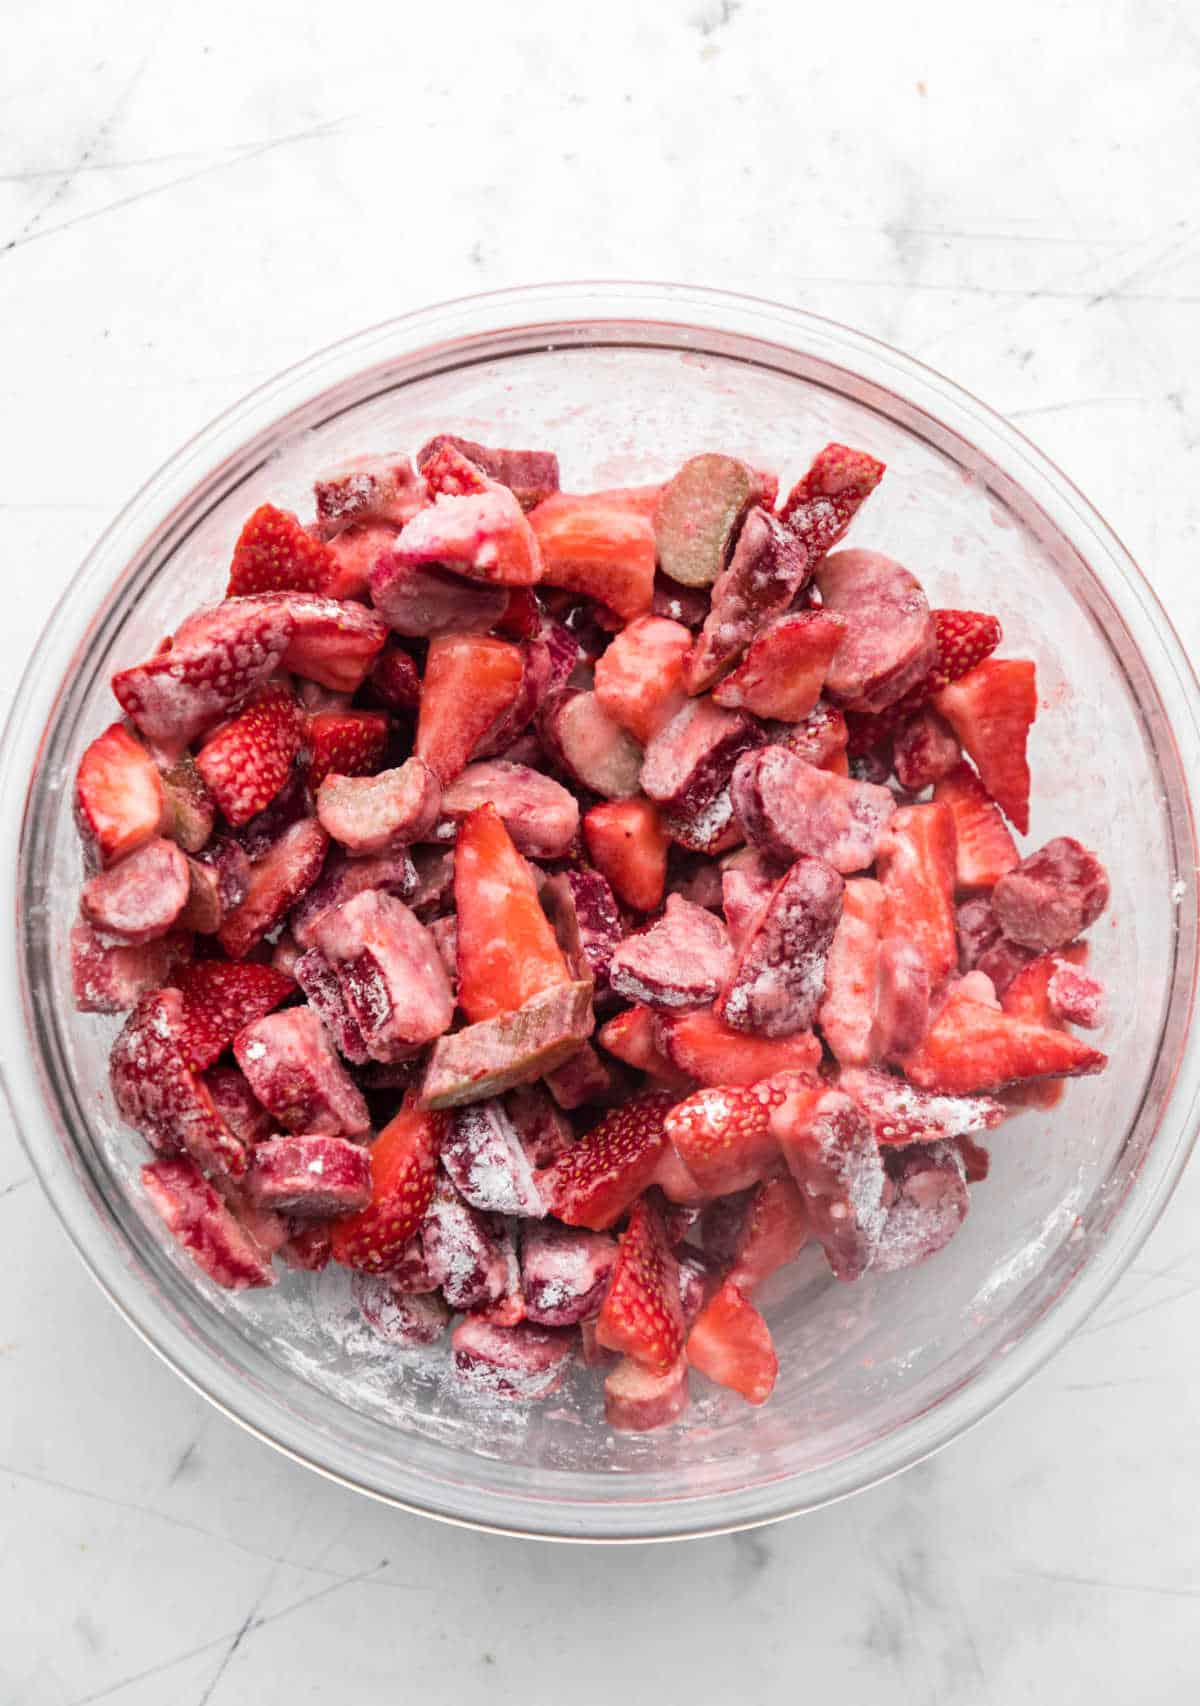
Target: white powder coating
{"type": "Point", "coordinates": [255, 1051]}
{"type": "Point", "coordinates": [929, 1210]}
{"type": "Point", "coordinates": [484, 1156]}
{"type": "Point", "coordinates": [316, 1165]}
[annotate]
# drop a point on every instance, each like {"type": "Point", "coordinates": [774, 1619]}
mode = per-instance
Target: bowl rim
{"type": "Point", "coordinates": [427, 330]}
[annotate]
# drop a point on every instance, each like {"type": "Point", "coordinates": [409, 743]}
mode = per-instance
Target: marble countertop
{"type": "Point", "coordinates": [190, 199]}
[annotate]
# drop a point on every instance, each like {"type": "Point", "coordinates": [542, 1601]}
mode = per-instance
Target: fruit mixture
{"type": "Point", "coordinates": [562, 909]}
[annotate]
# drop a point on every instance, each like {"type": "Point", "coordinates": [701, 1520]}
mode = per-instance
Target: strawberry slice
{"type": "Point", "coordinates": [639, 678]}
{"type": "Point", "coordinates": [916, 865]}
{"type": "Point", "coordinates": [700, 1046]}
{"type": "Point", "coordinates": [731, 1344]}
{"type": "Point", "coordinates": [593, 1183]}
{"type": "Point", "coordinates": [723, 1135]}
{"type": "Point", "coordinates": [822, 504]}
{"type": "Point", "coordinates": [158, 1094]}
{"type": "Point", "coordinates": [507, 952]}
{"type": "Point", "coordinates": [847, 1012]}
{"type": "Point", "coordinates": [767, 570]}
{"type": "Point", "coordinates": [220, 998]}
{"type": "Point", "coordinates": [628, 845]}
{"type": "Point", "coordinates": [1074, 997]}
{"type": "Point", "coordinates": [471, 683]}
{"type": "Point", "coordinates": [633, 1037]}
{"type": "Point", "coordinates": [530, 475]}
{"type": "Point", "coordinates": [965, 638]}
{"type": "Point", "coordinates": [483, 535]}
{"type": "Point", "coordinates": [275, 554]}
{"type": "Point", "coordinates": [785, 666]}
{"type": "Point", "coordinates": [119, 796]}
{"type": "Point", "coordinates": [601, 545]}
{"type": "Point", "coordinates": [971, 1047]}
{"type": "Point", "coordinates": [403, 1173]}
{"type": "Point", "coordinates": [278, 879]}
{"type": "Point", "coordinates": [109, 977]}
{"type": "Point", "coordinates": [202, 1225]}
{"type": "Point", "coordinates": [348, 743]}
{"type": "Point", "coordinates": [985, 849]}
{"type": "Point", "coordinates": [642, 1315]}
{"type": "Point", "coordinates": [923, 750]}
{"type": "Point", "coordinates": [991, 710]}
{"type": "Point", "coordinates": [248, 760]}
{"type": "Point", "coordinates": [310, 1177]}
{"type": "Point", "coordinates": [900, 1114]}
{"type": "Point", "coordinates": [773, 1233]}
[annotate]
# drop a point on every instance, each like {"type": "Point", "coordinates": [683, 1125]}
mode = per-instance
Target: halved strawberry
{"type": "Point", "coordinates": [348, 743]}
{"type": "Point", "coordinates": [639, 677]}
{"type": "Point", "coordinates": [507, 952]}
{"type": "Point", "coordinates": [847, 1012]}
{"type": "Point", "coordinates": [642, 1314]}
{"type": "Point", "coordinates": [985, 849]}
{"type": "Point", "coordinates": [395, 680]}
{"type": "Point", "coordinates": [483, 535]}
{"type": "Point", "coordinates": [471, 683]}
{"type": "Point", "coordinates": [403, 1173]}
{"type": "Point", "coordinates": [628, 845]}
{"type": "Point", "coordinates": [220, 998]}
{"type": "Point", "coordinates": [158, 1094]}
{"type": "Point", "coordinates": [278, 879]}
{"type": "Point", "coordinates": [831, 1153]}
{"type": "Point", "coordinates": [773, 1233]}
{"type": "Point", "coordinates": [731, 1344]}
{"type": "Point", "coordinates": [119, 798]}
{"type": "Point", "coordinates": [900, 1114]}
{"type": "Point", "coordinates": [275, 554]}
{"type": "Point", "coordinates": [916, 864]}
{"type": "Point", "coordinates": [601, 545]}
{"type": "Point", "coordinates": [971, 1046]}
{"type": "Point", "coordinates": [822, 504]}
{"type": "Point", "coordinates": [633, 1037]}
{"type": "Point", "coordinates": [784, 668]}
{"type": "Point", "coordinates": [991, 710]}
{"type": "Point", "coordinates": [704, 1048]}
{"type": "Point", "coordinates": [594, 1181]}
{"type": "Point", "coordinates": [248, 760]}
{"type": "Point", "coordinates": [723, 1134]}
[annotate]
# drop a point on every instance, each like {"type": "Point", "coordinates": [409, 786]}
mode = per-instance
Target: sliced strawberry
{"type": "Point", "coordinates": [785, 666]}
{"type": "Point", "coordinates": [991, 710]}
{"type": "Point", "coordinates": [1076, 998]}
{"type": "Point", "coordinates": [381, 814]}
{"type": "Point", "coordinates": [901, 1114]}
{"type": "Point", "coordinates": [369, 488]}
{"type": "Point", "coordinates": [820, 739]}
{"type": "Point", "coordinates": [773, 1233]}
{"type": "Point", "coordinates": [768, 569]}
{"type": "Point", "coordinates": [119, 795]}
{"type": "Point", "coordinates": [1052, 896]}
{"type": "Point", "coordinates": [971, 1047]}
{"type": "Point", "coordinates": [202, 1225]}
{"type": "Point", "coordinates": [237, 1104]}
{"type": "Point", "coordinates": [403, 1170]}
{"type": "Point", "coordinates": [278, 880]}
{"type": "Point", "coordinates": [985, 849]}
{"type": "Point", "coordinates": [248, 760]}
{"type": "Point", "coordinates": [964, 639]}
{"type": "Point", "coordinates": [141, 897]}
{"type": "Point", "coordinates": [831, 1153]}
{"type": "Point", "coordinates": [639, 677]}
{"type": "Point", "coordinates": [633, 1037]}
{"type": "Point", "coordinates": [731, 1343]}
{"type": "Point", "coordinates": [901, 1000]}
{"type": "Point", "coordinates": [847, 1012]}
{"type": "Point", "coordinates": [354, 551]}
{"type": "Point", "coordinates": [636, 1401]}
{"type": "Point", "coordinates": [681, 1190]}
{"type": "Point", "coordinates": [395, 680]}
{"type": "Point", "coordinates": [916, 865]}
{"type": "Point", "coordinates": [350, 743]}
{"type": "Point", "coordinates": [593, 1183]}
{"type": "Point", "coordinates": [507, 952]}
{"type": "Point", "coordinates": [682, 961]}
{"type": "Point", "coordinates": [723, 1135]}
{"type": "Point", "coordinates": [820, 506]}
{"type": "Point", "coordinates": [531, 475]}
{"type": "Point", "coordinates": [483, 535]}
{"type": "Point", "coordinates": [601, 545]}
{"type": "Point", "coordinates": [275, 554]}
{"type": "Point", "coordinates": [628, 844]}
{"type": "Point", "coordinates": [471, 683]}
{"type": "Point", "coordinates": [158, 1094]}
{"type": "Point", "coordinates": [317, 1177]}
{"type": "Point", "coordinates": [705, 1049]}
{"type": "Point", "coordinates": [642, 1313]}
{"type": "Point", "coordinates": [220, 998]}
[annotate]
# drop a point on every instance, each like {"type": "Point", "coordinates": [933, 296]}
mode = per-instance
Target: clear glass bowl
{"type": "Point", "coordinates": [624, 381]}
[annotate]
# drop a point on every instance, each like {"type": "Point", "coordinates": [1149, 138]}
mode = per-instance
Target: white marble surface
{"type": "Point", "coordinates": [191, 197]}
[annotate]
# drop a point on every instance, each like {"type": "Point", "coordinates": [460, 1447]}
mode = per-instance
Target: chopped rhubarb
{"type": "Point", "coordinates": [698, 516]}
{"type": "Point", "coordinates": [890, 642]}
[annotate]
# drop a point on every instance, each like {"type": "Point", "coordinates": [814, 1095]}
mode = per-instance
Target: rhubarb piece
{"type": "Point", "coordinates": [218, 882]}
{"type": "Point", "coordinates": [391, 975]}
{"type": "Point", "coordinates": [237, 1105]}
{"type": "Point", "coordinates": [680, 962]}
{"type": "Point", "coordinates": [342, 878]}
{"type": "Point", "coordinates": [379, 814]}
{"type": "Point", "coordinates": [642, 1313]}
{"type": "Point", "coordinates": [109, 977]}
{"type": "Point", "coordinates": [422, 600]}
{"type": "Point", "coordinates": [778, 980]}
{"type": "Point", "coordinates": [565, 1273]}
{"type": "Point", "coordinates": [507, 953]}
{"type": "Point", "coordinates": [900, 1114]}
{"type": "Point", "coordinates": [991, 710]}
{"type": "Point", "coordinates": [158, 1094]}
{"type": "Point", "coordinates": [319, 981]}
{"type": "Point", "coordinates": [292, 804]}
{"type": "Point", "coordinates": [686, 604]}
{"type": "Point", "coordinates": [345, 743]}
{"type": "Point", "coordinates": [541, 1129]}
{"type": "Point", "coordinates": [748, 881]}
{"type": "Point", "coordinates": [400, 1318]}
{"type": "Point", "coordinates": [820, 739]}
{"type": "Point", "coordinates": [483, 535]}
{"type": "Point", "coordinates": [471, 683]}
{"type": "Point", "coordinates": [523, 1363]}
{"type": "Point", "coordinates": [916, 864]}
{"type": "Point", "coordinates": [531, 475]}
{"type": "Point", "coordinates": [627, 843]}
{"type": "Point", "coordinates": [929, 1206]}
{"type": "Point", "coordinates": [119, 796]}
{"type": "Point", "coordinates": [369, 488]}
{"type": "Point", "coordinates": [847, 1012]}
{"type": "Point", "coordinates": [831, 1153]}
{"type": "Point", "coordinates": [281, 877]}
{"type": "Point", "coordinates": [222, 997]}
{"type": "Point", "coordinates": [984, 848]}
{"type": "Point", "coordinates": [229, 652]}
{"type": "Point", "coordinates": [585, 1078]}
{"type": "Point", "coordinates": [788, 807]}
{"type": "Point", "coordinates": [394, 679]}
{"type": "Point", "coordinates": [704, 1048]}
{"type": "Point", "coordinates": [890, 642]}
{"type": "Point", "coordinates": [768, 568]}
{"type": "Point", "coordinates": [314, 1177]}
{"type": "Point", "coordinates": [275, 554]}
{"type": "Point", "coordinates": [141, 897]}
{"type": "Point", "coordinates": [924, 750]}
{"type": "Point", "coordinates": [309, 1247]}
{"type": "Point", "coordinates": [581, 907]}
{"type": "Point", "coordinates": [698, 516]}
{"type": "Point", "coordinates": [403, 1170]}
{"type": "Point", "coordinates": [292, 1068]}
{"type": "Point", "coordinates": [593, 1183]}
{"type": "Point", "coordinates": [972, 1047]}
{"type": "Point", "coordinates": [1051, 897]}
{"type": "Point", "coordinates": [710, 829]}
{"type": "Point", "coordinates": [773, 1232]}
{"type": "Point", "coordinates": [435, 882]}
{"type": "Point", "coordinates": [466, 1251]}
{"type": "Point", "coordinates": [637, 1401]}
{"type": "Point", "coordinates": [593, 749]}
{"type": "Point", "coordinates": [189, 810]}
{"type": "Point", "coordinates": [820, 506]}
{"type": "Point", "coordinates": [784, 669]}
{"type": "Point", "coordinates": [601, 546]}
{"type": "Point", "coordinates": [201, 1224]}
{"type": "Point", "coordinates": [731, 1343]}
{"type": "Point", "coordinates": [516, 1048]}
{"type": "Point", "coordinates": [639, 678]}
{"type": "Point", "coordinates": [487, 1161]}
{"type": "Point", "coordinates": [902, 999]}
{"type": "Point", "coordinates": [1075, 997]}
{"type": "Point", "coordinates": [692, 758]}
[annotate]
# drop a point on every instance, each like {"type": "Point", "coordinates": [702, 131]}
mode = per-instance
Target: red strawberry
{"type": "Point", "coordinates": [221, 997]}
{"type": "Point", "coordinates": [971, 1047]}
{"type": "Point", "coordinates": [642, 1315]}
{"type": "Point", "coordinates": [639, 676]}
{"type": "Point", "coordinates": [119, 797]}
{"type": "Point", "coordinates": [633, 1037]}
{"type": "Point", "coordinates": [593, 1183]}
{"type": "Point", "coordinates": [773, 1233]}
{"type": "Point", "coordinates": [471, 683]}
{"type": "Point", "coordinates": [628, 844]}
{"type": "Point", "coordinates": [985, 847]}
{"type": "Point", "coordinates": [158, 1094]}
{"type": "Point", "coordinates": [916, 865]}
{"type": "Point", "coordinates": [784, 668]}
{"type": "Point", "coordinates": [703, 1047]}
{"type": "Point", "coordinates": [403, 1173]}
{"type": "Point", "coordinates": [723, 1135]}
{"type": "Point", "coordinates": [900, 1114]}
{"type": "Point", "coordinates": [731, 1344]}
{"type": "Point", "coordinates": [248, 760]}
{"type": "Point", "coordinates": [395, 681]}
{"type": "Point", "coordinates": [349, 743]}
{"type": "Point", "coordinates": [202, 1225]}
{"type": "Point", "coordinates": [278, 879]}
{"type": "Point", "coordinates": [601, 545]}
{"type": "Point", "coordinates": [507, 952]}
{"type": "Point", "coordinates": [275, 554]}
{"type": "Point", "coordinates": [991, 710]}
{"type": "Point", "coordinates": [965, 638]}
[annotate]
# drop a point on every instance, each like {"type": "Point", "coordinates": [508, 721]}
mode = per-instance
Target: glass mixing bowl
{"type": "Point", "coordinates": [624, 382]}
